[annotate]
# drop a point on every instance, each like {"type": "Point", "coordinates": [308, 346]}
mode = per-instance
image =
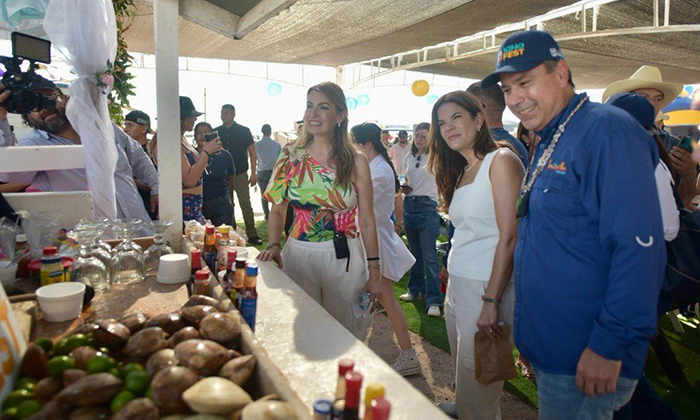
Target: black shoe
{"type": "Point", "coordinates": [255, 241]}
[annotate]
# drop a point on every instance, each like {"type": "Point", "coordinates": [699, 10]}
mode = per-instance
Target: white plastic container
{"type": "Point", "coordinates": [7, 275]}
{"type": "Point", "coordinates": [61, 302]}
{"type": "Point", "coordinates": [241, 252]}
{"type": "Point", "coordinates": [174, 268]}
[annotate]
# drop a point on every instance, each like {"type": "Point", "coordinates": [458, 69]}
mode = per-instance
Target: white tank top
{"type": "Point", "coordinates": [476, 233]}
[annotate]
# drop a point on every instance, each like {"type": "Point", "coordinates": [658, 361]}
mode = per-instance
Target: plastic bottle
{"type": "Point", "coordinates": [344, 366]}
{"type": "Point", "coordinates": [352, 396]}
{"type": "Point", "coordinates": [196, 256]}
{"type": "Point", "coordinates": [238, 282]}
{"type": "Point", "coordinates": [22, 249]}
{"type": "Point", "coordinates": [230, 270]}
{"type": "Point", "coordinates": [202, 283]}
{"type": "Point", "coordinates": [209, 250]}
{"type": "Point", "coordinates": [322, 409]}
{"type": "Point", "coordinates": [373, 390]}
{"type": "Point", "coordinates": [249, 300]}
{"type": "Point", "coordinates": [51, 267]}
{"type": "Point", "coordinates": [381, 409]}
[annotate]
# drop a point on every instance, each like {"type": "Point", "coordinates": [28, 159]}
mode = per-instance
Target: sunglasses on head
{"type": "Point", "coordinates": [418, 161]}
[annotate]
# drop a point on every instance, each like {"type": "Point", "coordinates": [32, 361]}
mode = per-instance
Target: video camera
{"type": "Point", "coordinates": [23, 99]}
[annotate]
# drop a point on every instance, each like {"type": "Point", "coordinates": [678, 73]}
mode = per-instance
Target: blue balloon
{"type": "Point", "coordinates": [274, 89]}
{"type": "Point", "coordinates": [352, 103]}
{"type": "Point", "coordinates": [363, 99]}
{"type": "Point", "coordinates": [432, 99]}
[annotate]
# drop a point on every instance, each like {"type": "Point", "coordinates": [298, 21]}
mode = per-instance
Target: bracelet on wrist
{"type": "Point", "coordinates": [373, 259]}
{"type": "Point", "coordinates": [494, 302]}
{"type": "Point", "coordinates": [273, 245]}
{"type": "Point", "coordinates": [208, 154]}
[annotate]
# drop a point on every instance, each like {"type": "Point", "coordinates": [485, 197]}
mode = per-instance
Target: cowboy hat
{"type": "Point", "coordinates": [645, 77]}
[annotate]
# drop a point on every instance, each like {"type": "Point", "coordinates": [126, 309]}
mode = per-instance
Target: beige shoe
{"type": "Point", "coordinates": [407, 297]}
{"type": "Point", "coordinates": [434, 311]}
{"type": "Point", "coordinates": [407, 363]}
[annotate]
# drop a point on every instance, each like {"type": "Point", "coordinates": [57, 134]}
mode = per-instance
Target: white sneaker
{"type": "Point", "coordinates": [407, 297]}
{"type": "Point", "coordinates": [434, 311]}
{"type": "Point", "coordinates": [407, 363]}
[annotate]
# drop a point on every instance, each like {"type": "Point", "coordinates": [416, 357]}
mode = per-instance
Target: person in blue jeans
{"type": "Point", "coordinates": [422, 223]}
{"type": "Point", "coordinates": [590, 256]}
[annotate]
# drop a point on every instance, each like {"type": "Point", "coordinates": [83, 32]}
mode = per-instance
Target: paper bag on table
{"type": "Point", "coordinates": [493, 360]}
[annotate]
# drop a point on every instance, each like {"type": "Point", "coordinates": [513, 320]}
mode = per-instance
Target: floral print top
{"type": "Point", "coordinates": [318, 202]}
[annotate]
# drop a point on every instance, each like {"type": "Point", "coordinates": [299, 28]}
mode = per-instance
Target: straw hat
{"type": "Point", "coordinates": [645, 77]}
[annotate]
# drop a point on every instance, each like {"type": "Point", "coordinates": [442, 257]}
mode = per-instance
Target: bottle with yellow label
{"type": "Point", "coordinates": [51, 267]}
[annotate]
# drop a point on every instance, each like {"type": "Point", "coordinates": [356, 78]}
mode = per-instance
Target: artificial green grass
{"type": "Point", "coordinates": [686, 346]}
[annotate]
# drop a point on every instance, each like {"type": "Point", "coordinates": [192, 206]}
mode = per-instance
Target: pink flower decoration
{"type": "Point", "coordinates": [107, 80]}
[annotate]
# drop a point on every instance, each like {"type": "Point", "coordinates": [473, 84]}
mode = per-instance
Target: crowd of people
{"type": "Point", "coordinates": [557, 235]}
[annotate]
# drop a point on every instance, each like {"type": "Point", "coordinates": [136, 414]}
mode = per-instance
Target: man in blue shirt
{"type": "Point", "coordinates": [267, 150]}
{"type": "Point", "coordinates": [590, 255]}
{"type": "Point", "coordinates": [494, 103]}
{"type": "Point", "coordinates": [218, 179]}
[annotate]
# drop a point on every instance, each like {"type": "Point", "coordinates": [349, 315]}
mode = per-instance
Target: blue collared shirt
{"type": "Point", "coordinates": [132, 163]}
{"type": "Point", "coordinates": [590, 256]}
{"type": "Point", "coordinates": [500, 134]}
{"type": "Point", "coordinates": [267, 150]}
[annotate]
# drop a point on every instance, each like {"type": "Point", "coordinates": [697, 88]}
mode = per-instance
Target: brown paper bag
{"type": "Point", "coordinates": [493, 360]}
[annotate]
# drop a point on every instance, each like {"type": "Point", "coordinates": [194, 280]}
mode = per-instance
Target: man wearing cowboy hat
{"type": "Point", "coordinates": [590, 255]}
{"type": "Point", "coordinates": [647, 82]}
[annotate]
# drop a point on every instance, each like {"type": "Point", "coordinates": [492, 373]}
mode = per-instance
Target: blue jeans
{"type": "Point", "coordinates": [422, 225]}
{"type": "Point", "coordinates": [263, 180]}
{"type": "Point", "coordinates": [560, 399]}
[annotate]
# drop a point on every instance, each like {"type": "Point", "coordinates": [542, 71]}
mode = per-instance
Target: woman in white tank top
{"type": "Point", "coordinates": [478, 183]}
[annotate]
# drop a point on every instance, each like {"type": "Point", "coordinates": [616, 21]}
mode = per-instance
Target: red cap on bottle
{"type": "Point", "coordinates": [50, 250]}
{"type": "Point", "coordinates": [353, 385]}
{"type": "Point", "coordinates": [345, 366]}
{"type": "Point", "coordinates": [231, 258]}
{"type": "Point", "coordinates": [201, 275]}
{"type": "Point", "coordinates": [381, 408]}
{"type": "Point", "coordinates": [210, 229]}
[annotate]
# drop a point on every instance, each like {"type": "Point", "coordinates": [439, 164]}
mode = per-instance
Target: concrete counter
{"type": "Point", "coordinates": [305, 342]}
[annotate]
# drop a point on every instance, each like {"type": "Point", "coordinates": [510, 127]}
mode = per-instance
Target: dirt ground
{"type": "Point", "coordinates": [438, 372]}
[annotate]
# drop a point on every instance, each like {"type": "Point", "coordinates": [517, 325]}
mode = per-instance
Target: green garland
{"type": "Point", "coordinates": [119, 96]}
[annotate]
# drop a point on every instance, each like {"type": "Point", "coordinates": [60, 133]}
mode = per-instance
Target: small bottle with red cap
{"type": "Point", "coordinates": [344, 366]}
{"type": "Point", "coordinates": [353, 382]}
{"type": "Point", "coordinates": [201, 283]}
{"type": "Point", "coordinates": [381, 409]}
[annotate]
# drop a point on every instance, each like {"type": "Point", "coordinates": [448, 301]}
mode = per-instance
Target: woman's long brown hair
{"type": "Point", "coordinates": [343, 151]}
{"type": "Point", "coordinates": [445, 163]}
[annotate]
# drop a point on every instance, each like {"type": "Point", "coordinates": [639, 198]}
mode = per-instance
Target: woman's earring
{"type": "Point", "coordinates": [478, 129]}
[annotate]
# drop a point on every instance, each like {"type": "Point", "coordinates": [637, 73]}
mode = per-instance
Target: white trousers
{"type": "Point", "coordinates": [463, 304]}
{"type": "Point", "coordinates": [314, 267]}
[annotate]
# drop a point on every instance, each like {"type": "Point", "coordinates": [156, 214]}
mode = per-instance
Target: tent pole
{"type": "Point", "coordinates": [167, 39]}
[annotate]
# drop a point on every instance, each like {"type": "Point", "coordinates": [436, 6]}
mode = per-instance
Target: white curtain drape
{"type": "Point", "coordinates": [84, 32]}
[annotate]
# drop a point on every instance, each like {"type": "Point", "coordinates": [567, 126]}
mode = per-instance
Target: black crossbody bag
{"type": "Point", "coordinates": [340, 243]}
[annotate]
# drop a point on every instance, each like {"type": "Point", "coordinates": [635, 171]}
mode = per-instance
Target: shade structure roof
{"type": "Point", "coordinates": [341, 32]}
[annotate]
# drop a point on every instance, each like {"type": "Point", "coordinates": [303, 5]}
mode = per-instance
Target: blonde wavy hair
{"type": "Point", "coordinates": [343, 151]}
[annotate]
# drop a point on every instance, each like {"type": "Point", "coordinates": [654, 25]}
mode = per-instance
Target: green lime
{"type": "Point", "coordinates": [16, 398]}
{"type": "Point", "coordinates": [128, 368]}
{"type": "Point", "coordinates": [28, 408]}
{"type": "Point", "coordinates": [92, 341]}
{"type": "Point", "coordinates": [61, 347]}
{"type": "Point", "coordinates": [137, 382]}
{"type": "Point", "coordinates": [58, 364]}
{"type": "Point", "coordinates": [10, 413]}
{"type": "Point", "coordinates": [100, 363]}
{"type": "Point", "coordinates": [44, 343]}
{"type": "Point", "coordinates": [75, 341]}
{"type": "Point", "coordinates": [149, 392]}
{"type": "Point", "coordinates": [120, 400]}
{"type": "Point", "coordinates": [26, 383]}
{"type": "Point", "coordinates": [115, 372]}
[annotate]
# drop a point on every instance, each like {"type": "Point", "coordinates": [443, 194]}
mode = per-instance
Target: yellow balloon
{"type": "Point", "coordinates": [420, 88]}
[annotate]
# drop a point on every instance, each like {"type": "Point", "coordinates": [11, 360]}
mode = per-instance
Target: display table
{"type": "Point", "coordinates": [305, 342]}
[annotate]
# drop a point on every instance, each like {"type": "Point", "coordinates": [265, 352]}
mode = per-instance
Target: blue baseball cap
{"type": "Point", "coordinates": [523, 51]}
{"type": "Point", "coordinates": [641, 109]}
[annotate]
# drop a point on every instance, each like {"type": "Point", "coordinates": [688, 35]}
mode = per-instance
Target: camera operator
{"type": "Point", "coordinates": [52, 128]}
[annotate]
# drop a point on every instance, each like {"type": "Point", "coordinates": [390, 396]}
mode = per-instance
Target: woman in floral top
{"type": "Point", "coordinates": [325, 180]}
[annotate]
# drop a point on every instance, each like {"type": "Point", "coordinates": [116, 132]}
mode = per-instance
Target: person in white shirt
{"type": "Point", "coordinates": [398, 152]}
{"type": "Point", "coordinates": [267, 150]}
{"type": "Point", "coordinates": [422, 224]}
{"type": "Point", "coordinates": [478, 183]}
{"type": "Point", "coordinates": [394, 258]}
